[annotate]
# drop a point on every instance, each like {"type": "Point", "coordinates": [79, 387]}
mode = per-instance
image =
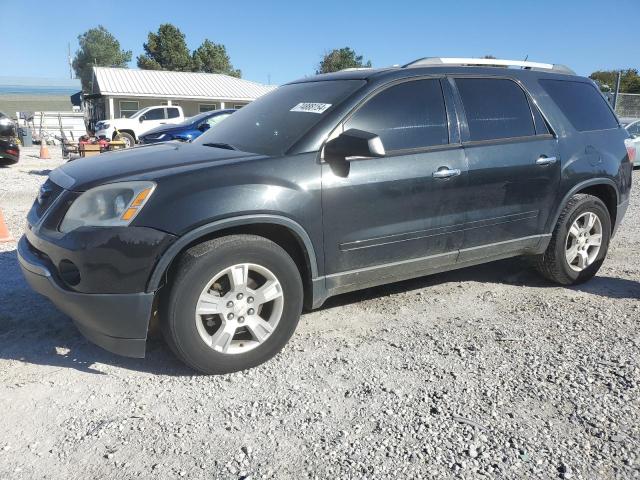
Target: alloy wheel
{"type": "Point", "coordinates": [583, 241]}
{"type": "Point", "coordinates": [239, 308]}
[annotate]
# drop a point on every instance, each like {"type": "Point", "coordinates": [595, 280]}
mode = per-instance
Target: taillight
{"type": "Point", "coordinates": [631, 149]}
{"type": "Point", "coordinates": [11, 151]}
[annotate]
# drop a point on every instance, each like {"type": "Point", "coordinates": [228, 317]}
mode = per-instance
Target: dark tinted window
{"type": "Point", "coordinates": [495, 108]}
{"type": "Point", "coordinates": [541, 125]}
{"type": "Point", "coordinates": [408, 115]}
{"type": "Point", "coordinates": [274, 122]}
{"type": "Point", "coordinates": [581, 103]}
{"type": "Point", "coordinates": [154, 114]}
{"type": "Point", "coordinates": [172, 113]}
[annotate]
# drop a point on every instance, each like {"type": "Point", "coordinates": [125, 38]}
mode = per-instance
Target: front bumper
{"type": "Point", "coordinates": [116, 322]}
{"type": "Point", "coordinates": [106, 133]}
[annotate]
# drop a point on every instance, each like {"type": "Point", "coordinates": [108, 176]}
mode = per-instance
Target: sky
{"type": "Point", "coordinates": [278, 41]}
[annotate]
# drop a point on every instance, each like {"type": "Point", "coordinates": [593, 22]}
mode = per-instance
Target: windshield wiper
{"type": "Point", "coordinates": [220, 145]}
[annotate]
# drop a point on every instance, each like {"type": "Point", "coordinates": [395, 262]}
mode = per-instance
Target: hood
{"type": "Point", "coordinates": [141, 163]}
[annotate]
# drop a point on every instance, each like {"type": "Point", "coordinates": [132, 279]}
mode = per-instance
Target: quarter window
{"type": "Point", "coordinates": [408, 115]}
{"type": "Point", "coordinates": [582, 104]}
{"type": "Point", "coordinates": [496, 108]}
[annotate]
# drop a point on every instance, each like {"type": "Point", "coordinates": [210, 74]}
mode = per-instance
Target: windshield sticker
{"type": "Point", "coordinates": [310, 107]}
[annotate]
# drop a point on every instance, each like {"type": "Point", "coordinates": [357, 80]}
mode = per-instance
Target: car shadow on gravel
{"type": "Point", "coordinates": [513, 271]}
{"type": "Point", "coordinates": [43, 173]}
{"type": "Point", "coordinates": [33, 331]}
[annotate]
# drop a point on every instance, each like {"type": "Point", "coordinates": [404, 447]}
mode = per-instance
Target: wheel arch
{"type": "Point", "coordinates": [126, 130]}
{"type": "Point", "coordinates": [283, 231]}
{"type": "Point", "coordinates": [603, 188]}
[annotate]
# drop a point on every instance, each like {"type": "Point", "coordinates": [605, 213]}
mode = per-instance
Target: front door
{"type": "Point", "coordinates": [153, 118]}
{"type": "Point", "coordinates": [514, 168]}
{"type": "Point", "coordinates": [383, 216]}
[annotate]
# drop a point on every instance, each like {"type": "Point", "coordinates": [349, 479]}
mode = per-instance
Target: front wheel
{"type": "Point", "coordinates": [234, 303]}
{"type": "Point", "coordinates": [579, 242]}
{"type": "Point", "coordinates": [127, 138]}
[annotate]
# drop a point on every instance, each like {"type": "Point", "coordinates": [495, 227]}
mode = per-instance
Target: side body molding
{"type": "Point", "coordinates": [171, 253]}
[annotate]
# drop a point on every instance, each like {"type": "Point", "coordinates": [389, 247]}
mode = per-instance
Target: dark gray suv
{"type": "Point", "coordinates": [327, 185]}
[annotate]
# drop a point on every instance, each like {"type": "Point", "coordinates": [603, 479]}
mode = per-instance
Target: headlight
{"type": "Point", "coordinates": [114, 204]}
{"type": "Point", "coordinates": [102, 125]}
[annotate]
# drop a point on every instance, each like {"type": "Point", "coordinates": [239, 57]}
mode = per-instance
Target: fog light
{"type": "Point", "coordinates": [69, 272]}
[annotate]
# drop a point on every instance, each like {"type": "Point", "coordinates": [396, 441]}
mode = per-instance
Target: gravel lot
{"type": "Point", "coordinates": [488, 372]}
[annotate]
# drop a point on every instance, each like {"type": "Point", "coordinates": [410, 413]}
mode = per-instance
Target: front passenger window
{"type": "Point", "coordinates": [154, 114]}
{"type": "Point", "coordinates": [408, 115]}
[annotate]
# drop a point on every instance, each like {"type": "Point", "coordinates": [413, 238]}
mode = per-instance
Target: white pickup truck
{"type": "Point", "coordinates": [139, 123]}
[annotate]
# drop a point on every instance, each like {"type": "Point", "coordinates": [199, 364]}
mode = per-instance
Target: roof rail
{"type": "Point", "coordinates": [491, 62]}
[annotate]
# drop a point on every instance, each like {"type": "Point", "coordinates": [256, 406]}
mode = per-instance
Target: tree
{"type": "Point", "coordinates": [213, 58]}
{"type": "Point", "coordinates": [606, 80]}
{"type": "Point", "coordinates": [340, 59]}
{"type": "Point", "coordinates": [166, 50]}
{"type": "Point", "coordinates": [100, 48]}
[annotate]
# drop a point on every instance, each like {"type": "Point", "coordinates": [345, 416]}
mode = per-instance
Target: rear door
{"type": "Point", "coordinates": [514, 167]}
{"type": "Point", "coordinates": [389, 212]}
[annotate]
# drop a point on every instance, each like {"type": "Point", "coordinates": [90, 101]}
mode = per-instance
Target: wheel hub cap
{"type": "Point", "coordinates": [583, 241]}
{"type": "Point", "coordinates": [239, 308]}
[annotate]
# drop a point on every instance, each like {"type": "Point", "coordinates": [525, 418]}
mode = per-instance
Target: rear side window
{"type": "Point", "coordinates": [495, 108]}
{"type": "Point", "coordinates": [581, 103]}
{"type": "Point", "coordinates": [173, 113]}
{"type": "Point", "coordinates": [408, 115]}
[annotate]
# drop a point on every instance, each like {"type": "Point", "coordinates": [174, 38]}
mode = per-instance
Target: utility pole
{"type": "Point", "coordinates": [617, 90]}
{"type": "Point", "coordinates": [69, 60]}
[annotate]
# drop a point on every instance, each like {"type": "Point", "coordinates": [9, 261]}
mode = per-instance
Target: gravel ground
{"type": "Point", "coordinates": [487, 372]}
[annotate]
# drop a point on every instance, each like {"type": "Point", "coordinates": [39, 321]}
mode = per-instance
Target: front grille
{"type": "Point", "coordinates": [47, 194]}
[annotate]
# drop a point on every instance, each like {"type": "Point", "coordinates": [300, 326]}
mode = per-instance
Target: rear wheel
{"type": "Point", "coordinates": [579, 242]}
{"type": "Point", "coordinates": [234, 303]}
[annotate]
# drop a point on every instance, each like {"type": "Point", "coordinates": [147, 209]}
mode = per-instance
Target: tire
{"type": "Point", "coordinates": [127, 138]}
{"type": "Point", "coordinates": [553, 264]}
{"type": "Point", "coordinates": [187, 331]}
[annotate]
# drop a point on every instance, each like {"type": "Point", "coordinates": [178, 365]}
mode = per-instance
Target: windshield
{"type": "Point", "coordinates": [139, 112]}
{"type": "Point", "coordinates": [273, 123]}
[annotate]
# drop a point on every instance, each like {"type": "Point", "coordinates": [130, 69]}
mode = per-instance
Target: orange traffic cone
{"type": "Point", "coordinates": [44, 150]}
{"type": "Point", "coordinates": [5, 235]}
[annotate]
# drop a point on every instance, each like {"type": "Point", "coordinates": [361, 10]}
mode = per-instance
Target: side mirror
{"type": "Point", "coordinates": [353, 143]}
{"type": "Point", "coordinates": [141, 119]}
{"type": "Point", "coordinates": [182, 137]}
{"type": "Point", "coordinates": [203, 127]}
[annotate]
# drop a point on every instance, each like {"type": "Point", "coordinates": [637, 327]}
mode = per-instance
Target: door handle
{"type": "Point", "coordinates": [546, 160]}
{"type": "Point", "coordinates": [446, 172]}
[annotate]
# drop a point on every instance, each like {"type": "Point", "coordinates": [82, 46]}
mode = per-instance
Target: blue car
{"type": "Point", "coordinates": [186, 131]}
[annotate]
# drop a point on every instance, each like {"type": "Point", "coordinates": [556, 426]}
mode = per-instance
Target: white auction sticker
{"type": "Point", "coordinates": [311, 107]}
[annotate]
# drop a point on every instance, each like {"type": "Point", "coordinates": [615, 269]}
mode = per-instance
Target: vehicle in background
{"type": "Point", "coordinates": [326, 185]}
{"type": "Point", "coordinates": [186, 131]}
{"type": "Point", "coordinates": [633, 128]}
{"type": "Point", "coordinates": [9, 149]}
{"type": "Point", "coordinates": [130, 129]}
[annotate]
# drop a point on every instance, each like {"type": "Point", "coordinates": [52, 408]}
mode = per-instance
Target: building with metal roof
{"type": "Point", "coordinates": [120, 92]}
